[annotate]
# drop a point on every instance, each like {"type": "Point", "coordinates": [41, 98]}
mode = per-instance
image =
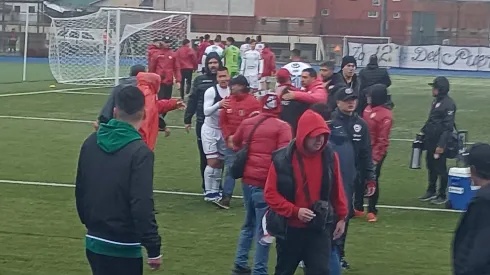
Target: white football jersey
{"type": "Point", "coordinates": [244, 48]}
{"type": "Point", "coordinates": [212, 48]}
{"type": "Point", "coordinates": [295, 69]}
{"type": "Point", "coordinates": [259, 47]}
{"type": "Point", "coordinates": [252, 63]}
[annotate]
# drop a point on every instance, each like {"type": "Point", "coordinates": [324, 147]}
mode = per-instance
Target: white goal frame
{"type": "Point", "coordinates": [117, 39]}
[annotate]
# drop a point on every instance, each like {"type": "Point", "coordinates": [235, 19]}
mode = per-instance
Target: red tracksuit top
{"type": "Point", "coordinates": [240, 108]}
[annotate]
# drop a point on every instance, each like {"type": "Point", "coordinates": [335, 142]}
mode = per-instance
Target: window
{"type": "Point", "coordinates": [376, 2]}
{"type": "Point", "coordinates": [372, 14]}
{"type": "Point", "coordinates": [32, 9]}
{"type": "Point", "coordinates": [396, 15]}
{"type": "Point", "coordinates": [325, 12]}
{"type": "Point", "coordinates": [397, 0]}
{"type": "Point", "coordinates": [17, 8]}
{"type": "Point", "coordinates": [301, 23]}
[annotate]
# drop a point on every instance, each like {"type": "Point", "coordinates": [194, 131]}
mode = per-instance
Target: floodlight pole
{"type": "Point", "coordinates": [383, 21]}
{"type": "Point", "coordinates": [26, 35]}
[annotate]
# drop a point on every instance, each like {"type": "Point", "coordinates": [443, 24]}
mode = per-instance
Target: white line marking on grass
{"type": "Point", "coordinates": [81, 93]}
{"type": "Point", "coordinates": [52, 184]}
{"type": "Point", "coordinates": [49, 91]}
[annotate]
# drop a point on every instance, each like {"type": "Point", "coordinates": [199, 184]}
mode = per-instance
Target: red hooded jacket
{"type": "Point", "coordinates": [269, 136]}
{"type": "Point", "coordinates": [314, 93]}
{"type": "Point", "coordinates": [165, 64]}
{"type": "Point", "coordinates": [240, 108]}
{"type": "Point", "coordinates": [151, 53]}
{"type": "Point", "coordinates": [269, 62]}
{"type": "Point", "coordinates": [187, 58]}
{"type": "Point", "coordinates": [379, 120]}
{"type": "Point", "coordinates": [310, 124]}
{"type": "Point", "coordinates": [149, 84]}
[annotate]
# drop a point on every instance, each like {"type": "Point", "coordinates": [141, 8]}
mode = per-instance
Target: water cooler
{"type": "Point", "coordinates": [460, 189]}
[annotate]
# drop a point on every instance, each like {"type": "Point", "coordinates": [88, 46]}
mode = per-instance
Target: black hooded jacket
{"type": "Point", "coordinates": [439, 126]}
{"type": "Point", "coordinates": [199, 87]}
{"type": "Point", "coordinates": [373, 74]}
{"type": "Point", "coordinates": [471, 249]}
{"type": "Point", "coordinates": [338, 81]}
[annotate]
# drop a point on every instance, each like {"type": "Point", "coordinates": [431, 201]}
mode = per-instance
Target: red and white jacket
{"type": "Point", "coordinates": [379, 120]}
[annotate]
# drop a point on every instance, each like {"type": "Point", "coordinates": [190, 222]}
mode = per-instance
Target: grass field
{"type": "Point", "coordinates": [40, 232]}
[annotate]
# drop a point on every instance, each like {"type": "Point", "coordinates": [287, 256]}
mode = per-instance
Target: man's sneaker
{"type": "Point", "coordinates": [238, 270]}
{"type": "Point", "coordinates": [428, 196]}
{"type": "Point", "coordinates": [344, 264]}
{"type": "Point", "coordinates": [212, 197]}
{"type": "Point", "coordinates": [371, 217]}
{"type": "Point", "coordinates": [224, 202]}
{"type": "Point", "coordinates": [359, 214]}
{"type": "Point", "coordinates": [439, 200]}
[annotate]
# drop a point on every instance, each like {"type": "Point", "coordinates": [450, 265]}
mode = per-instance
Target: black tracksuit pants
{"type": "Point", "coordinates": [302, 244]}
{"type": "Point", "coordinates": [108, 265]}
{"type": "Point", "coordinates": [164, 93]}
{"type": "Point", "coordinates": [359, 191]}
{"type": "Point", "coordinates": [373, 200]}
{"type": "Point", "coordinates": [437, 170]}
{"type": "Point", "coordinates": [186, 81]}
{"type": "Point", "coordinates": [202, 157]}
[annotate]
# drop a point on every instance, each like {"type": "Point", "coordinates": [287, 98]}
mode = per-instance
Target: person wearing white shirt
{"type": "Point", "coordinates": [245, 47]}
{"type": "Point", "coordinates": [215, 99]}
{"type": "Point", "coordinates": [214, 47]}
{"type": "Point", "coordinates": [296, 67]}
{"type": "Point", "coordinates": [252, 66]}
{"type": "Point", "coordinates": [260, 46]}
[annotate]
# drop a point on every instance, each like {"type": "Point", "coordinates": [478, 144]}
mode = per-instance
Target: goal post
{"type": "Point", "coordinates": [99, 48]}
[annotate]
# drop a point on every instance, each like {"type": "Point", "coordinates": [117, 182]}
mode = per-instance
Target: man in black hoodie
{"type": "Point", "coordinates": [373, 74]}
{"type": "Point", "coordinates": [114, 192]}
{"type": "Point", "coordinates": [196, 101]}
{"type": "Point", "coordinates": [471, 249]}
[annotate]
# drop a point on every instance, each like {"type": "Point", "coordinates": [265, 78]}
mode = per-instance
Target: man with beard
{"type": "Point", "coordinates": [196, 102]}
{"type": "Point", "coordinates": [326, 74]}
{"type": "Point", "coordinates": [347, 77]}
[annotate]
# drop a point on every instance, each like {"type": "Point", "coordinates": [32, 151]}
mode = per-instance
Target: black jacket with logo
{"type": "Point", "coordinates": [471, 246]}
{"type": "Point", "coordinates": [114, 194]}
{"type": "Point", "coordinates": [441, 122]}
{"type": "Point", "coordinates": [195, 103]}
{"type": "Point", "coordinates": [358, 130]}
{"type": "Point", "coordinates": [338, 80]}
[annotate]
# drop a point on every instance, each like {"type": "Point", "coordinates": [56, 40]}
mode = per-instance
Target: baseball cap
{"type": "Point", "coordinates": [440, 83]}
{"type": "Point", "coordinates": [479, 157]}
{"type": "Point", "coordinates": [344, 93]}
{"type": "Point", "coordinates": [239, 80]}
{"type": "Point", "coordinates": [283, 73]}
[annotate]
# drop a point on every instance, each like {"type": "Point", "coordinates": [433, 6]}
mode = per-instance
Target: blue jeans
{"type": "Point", "coordinates": [255, 208]}
{"type": "Point", "coordinates": [335, 268]}
{"type": "Point", "coordinates": [229, 185]}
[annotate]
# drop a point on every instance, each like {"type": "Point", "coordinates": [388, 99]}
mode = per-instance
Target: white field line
{"type": "Point", "coordinates": [52, 184]}
{"type": "Point", "coordinates": [49, 91]}
{"type": "Point", "coordinates": [88, 121]}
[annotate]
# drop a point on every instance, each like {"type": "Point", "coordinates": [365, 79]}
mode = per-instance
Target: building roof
{"type": "Point", "coordinates": [72, 3]}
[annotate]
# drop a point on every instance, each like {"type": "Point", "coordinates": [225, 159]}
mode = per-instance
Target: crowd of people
{"type": "Point", "coordinates": [308, 152]}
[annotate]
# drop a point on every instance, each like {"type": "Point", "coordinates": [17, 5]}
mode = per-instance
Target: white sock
{"type": "Point", "coordinates": [217, 173]}
{"type": "Point", "coordinates": [208, 179]}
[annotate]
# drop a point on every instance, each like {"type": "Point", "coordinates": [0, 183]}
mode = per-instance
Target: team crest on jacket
{"type": "Point", "coordinates": [438, 104]}
{"type": "Point", "coordinates": [357, 128]}
{"type": "Point", "coordinates": [169, 57]}
{"type": "Point", "coordinates": [241, 112]}
{"type": "Point", "coordinates": [372, 115]}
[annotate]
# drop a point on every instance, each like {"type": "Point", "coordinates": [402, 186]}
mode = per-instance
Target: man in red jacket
{"type": "Point", "coordinates": [187, 62]}
{"type": "Point", "coordinates": [313, 92]}
{"type": "Point", "coordinates": [379, 119]}
{"type": "Point", "coordinates": [241, 105]}
{"type": "Point", "coordinates": [165, 64]}
{"type": "Point", "coordinates": [152, 49]}
{"type": "Point", "coordinates": [270, 134]}
{"type": "Point", "coordinates": [269, 67]}
{"type": "Point", "coordinates": [304, 173]}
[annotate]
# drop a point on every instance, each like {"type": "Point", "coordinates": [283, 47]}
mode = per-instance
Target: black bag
{"type": "Point", "coordinates": [238, 166]}
{"type": "Point", "coordinates": [454, 145]}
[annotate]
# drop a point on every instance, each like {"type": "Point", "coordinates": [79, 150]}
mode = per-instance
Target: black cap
{"type": "Point", "coordinates": [479, 158]}
{"type": "Point", "coordinates": [440, 83]}
{"type": "Point", "coordinates": [344, 93]}
{"type": "Point", "coordinates": [239, 80]}
{"type": "Point", "coordinates": [167, 39]}
{"type": "Point", "coordinates": [136, 69]}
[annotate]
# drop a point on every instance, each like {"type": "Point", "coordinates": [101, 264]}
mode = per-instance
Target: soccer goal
{"type": "Point", "coordinates": [99, 48]}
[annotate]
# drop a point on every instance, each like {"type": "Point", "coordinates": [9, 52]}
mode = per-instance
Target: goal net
{"type": "Point", "coordinates": [99, 48]}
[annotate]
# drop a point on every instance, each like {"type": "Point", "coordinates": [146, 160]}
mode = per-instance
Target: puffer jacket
{"type": "Point", "coordinates": [313, 93]}
{"type": "Point", "coordinates": [269, 136]}
{"type": "Point", "coordinates": [379, 120]}
{"type": "Point", "coordinates": [373, 74]}
{"type": "Point", "coordinates": [166, 65]}
{"type": "Point", "coordinates": [149, 84]}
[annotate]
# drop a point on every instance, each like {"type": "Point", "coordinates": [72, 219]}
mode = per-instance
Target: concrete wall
{"type": "Point", "coordinates": [212, 7]}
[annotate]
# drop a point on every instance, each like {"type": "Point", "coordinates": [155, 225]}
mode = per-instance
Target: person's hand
{"type": "Point", "coordinates": [166, 131]}
{"type": "Point", "coordinates": [229, 142]}
{"type": "Point", "coordinates": [288, 96]}
{"type": "Point", "coordinates": [188, 128]}
{"type": "Point", "coordinates": [371, 188]}
{"type": "Point", "coordinates": [375, 162]}
{"type": "Point", "coordinates": [95, 125]}
{"type": "Point", "coordinates": [439, 150]}
{"type": "Point", "coordinates": [339, 229]}
{"type": "Point", "coordinates": [224, 103]}
{"type": "Point", "coordinates": [177, 85]}
{"type": "Point", "coordinates": [181, 104]}
{"type": "Point", "coordinates": [305, 215]}
{"type": "Point", "coordinates": [155, 263]}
